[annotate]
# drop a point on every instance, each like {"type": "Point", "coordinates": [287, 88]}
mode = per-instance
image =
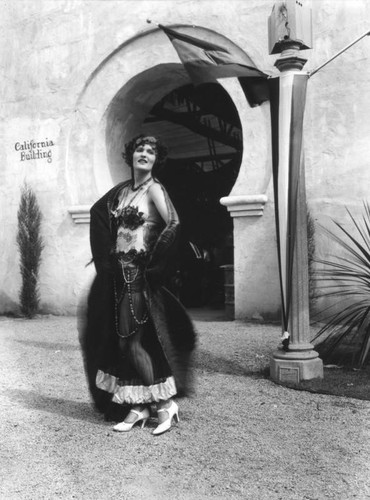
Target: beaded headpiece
{"type": "Point", "coordinates": [146, 140]}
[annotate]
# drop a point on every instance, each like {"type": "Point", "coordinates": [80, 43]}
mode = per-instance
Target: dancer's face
{"type": "Point", "coordinates": [144, 158]}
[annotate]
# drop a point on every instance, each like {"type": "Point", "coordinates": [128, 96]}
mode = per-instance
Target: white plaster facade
{"type": "Point", "coordinates": [71, 68]}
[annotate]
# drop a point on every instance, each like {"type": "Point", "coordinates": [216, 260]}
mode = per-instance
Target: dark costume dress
{"type": "Point", "coordinates": [136, 337]}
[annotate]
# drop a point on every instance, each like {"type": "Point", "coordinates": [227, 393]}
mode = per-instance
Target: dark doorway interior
{"type": "Point", "coordinates": [201, 127]}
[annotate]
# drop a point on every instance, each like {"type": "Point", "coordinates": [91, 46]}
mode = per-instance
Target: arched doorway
{"type": "Point", "coordinates": [202, 129]}
{"type": "Point", "coordinates": [115, 104]}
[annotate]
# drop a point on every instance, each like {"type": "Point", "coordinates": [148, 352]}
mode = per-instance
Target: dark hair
{"type": "Point", "coordinates": [158, 146]}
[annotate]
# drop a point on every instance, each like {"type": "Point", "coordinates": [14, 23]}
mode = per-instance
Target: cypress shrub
{"type": "Point", "coordinates": [30, 246]}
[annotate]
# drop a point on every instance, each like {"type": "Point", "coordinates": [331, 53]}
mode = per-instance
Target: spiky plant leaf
{"type": "Point", "coordinates": [345, 280]}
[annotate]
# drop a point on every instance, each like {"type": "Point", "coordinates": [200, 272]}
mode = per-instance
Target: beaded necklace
{"type": "Point", "coordinates": [128, 279]}
{"type": "Point", "coordinates": [140, 185]}
{"type": "Point", "coordinates": [125, 198]}
{"type": "Point", "coordinates": [129, 275]}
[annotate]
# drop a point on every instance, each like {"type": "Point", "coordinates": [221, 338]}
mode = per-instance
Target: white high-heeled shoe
{"type": "Point", "coordinates": [142, 416]}
{"type": "Point", "coordinates": [173, 413]}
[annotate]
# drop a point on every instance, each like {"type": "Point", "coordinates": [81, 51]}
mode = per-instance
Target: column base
{"type": "Point", "coordinates": [293, 367]}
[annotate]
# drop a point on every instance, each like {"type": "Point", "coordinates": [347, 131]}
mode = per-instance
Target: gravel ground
{"type": "Point", "coordinates": [240, 437]}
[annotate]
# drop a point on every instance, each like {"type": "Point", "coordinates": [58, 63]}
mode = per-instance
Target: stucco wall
{"type": "Point", "coordinates": [58, 61]}
{"type": "Point", "coordinates": [337, 125]}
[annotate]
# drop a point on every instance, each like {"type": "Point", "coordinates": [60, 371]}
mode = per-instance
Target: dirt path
{"type": "Point", "coordinates": [240, 437]}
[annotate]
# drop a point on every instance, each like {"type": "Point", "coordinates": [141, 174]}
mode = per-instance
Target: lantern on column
{"type": "Point", "coordinates": [290, 21]}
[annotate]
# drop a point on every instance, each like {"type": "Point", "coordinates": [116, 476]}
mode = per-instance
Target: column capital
{"type": "Point", "coordinates": [290, 58]}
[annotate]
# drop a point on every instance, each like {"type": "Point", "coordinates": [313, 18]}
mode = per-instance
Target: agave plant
{"type": "Point", "coordinates": [345, 280]}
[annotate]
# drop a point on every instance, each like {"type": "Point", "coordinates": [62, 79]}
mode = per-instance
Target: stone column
{"type": "Point", "coordinates": [300, 361]}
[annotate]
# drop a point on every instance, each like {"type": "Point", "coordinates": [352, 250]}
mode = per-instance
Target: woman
{"type": "Point", "coordinates": [137, 339]}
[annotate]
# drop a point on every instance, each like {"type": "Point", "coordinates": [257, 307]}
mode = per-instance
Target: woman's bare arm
{"type": "Point", "coordinates": [157, 197]}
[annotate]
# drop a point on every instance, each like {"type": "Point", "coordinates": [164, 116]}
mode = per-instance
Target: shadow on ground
{"type": "Point", "coordinates": [217, 364]}
{"type": "Point", "coordinates": [53, 346]}
{"type": "Point", "coordinates": [33, 400]}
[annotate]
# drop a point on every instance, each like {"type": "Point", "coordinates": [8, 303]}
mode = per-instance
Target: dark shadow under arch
{"type": "Point", "coordinates": [202, 130]}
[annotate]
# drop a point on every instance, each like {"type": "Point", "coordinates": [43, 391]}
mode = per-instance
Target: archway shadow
{"type": "Point", "coordinates": [62, 407]}
{"type": "Point", "coordinates": [217, 364]}
{"type": "Point", "coordinates": [53, 346]}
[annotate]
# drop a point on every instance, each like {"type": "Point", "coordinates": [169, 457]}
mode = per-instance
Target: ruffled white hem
{"type": "Point", "coordinates": [135, 394]}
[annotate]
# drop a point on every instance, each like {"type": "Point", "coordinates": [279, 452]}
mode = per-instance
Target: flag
{"type": "Point", "coordinates": [287, 103]}
{"type": "Point", "coordinates": [206, 62]}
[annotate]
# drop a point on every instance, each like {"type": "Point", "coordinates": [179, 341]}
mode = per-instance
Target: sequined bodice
{"type": "Point", "coordinates": [138, 221]}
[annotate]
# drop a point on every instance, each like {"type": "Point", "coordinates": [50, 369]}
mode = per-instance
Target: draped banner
{"type": "Point", "coordinates": [287, 103]}
{"type": "Point", "coordinates": [205, 62]}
